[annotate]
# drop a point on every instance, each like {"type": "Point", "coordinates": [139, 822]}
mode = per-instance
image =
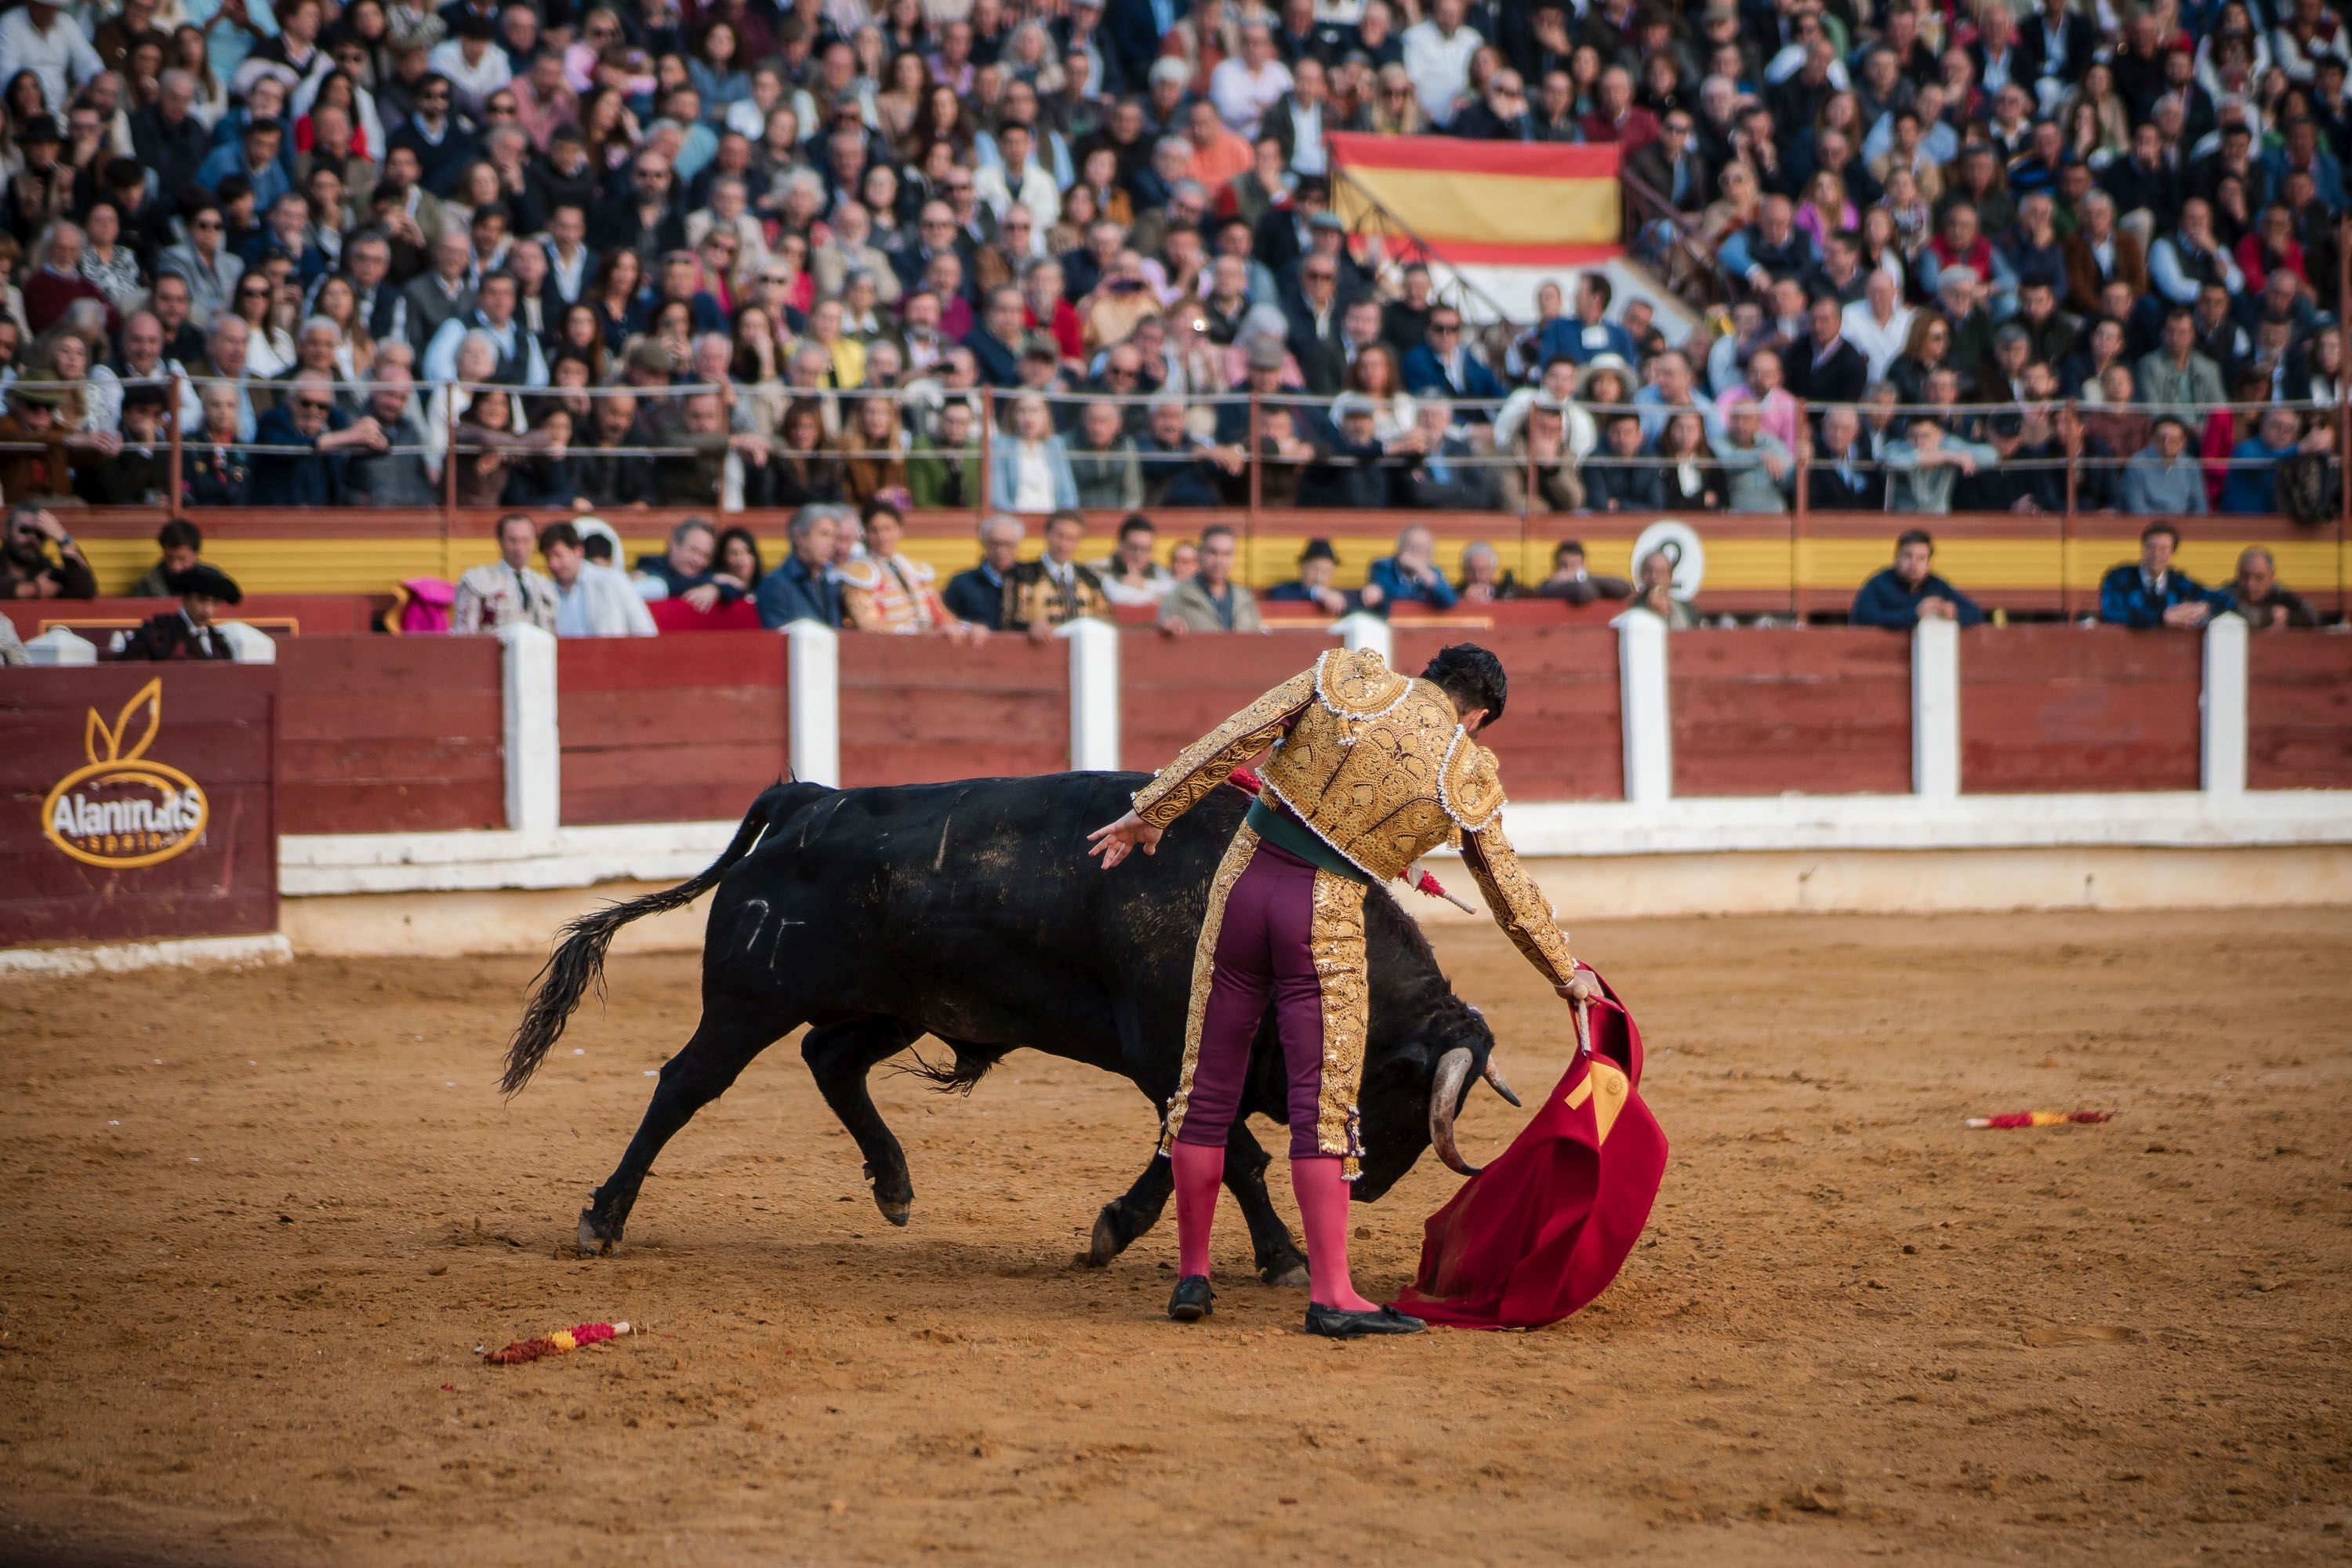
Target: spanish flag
{"type": "Point", "coordinates": [1491, 203]}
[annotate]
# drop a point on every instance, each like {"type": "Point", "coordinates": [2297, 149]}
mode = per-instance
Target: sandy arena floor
{"type": "Point", "coordinates": [263, 1220]}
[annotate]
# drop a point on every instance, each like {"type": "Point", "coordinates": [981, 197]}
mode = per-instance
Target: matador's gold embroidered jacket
{"type": "Point", "coordinates": [1379, 765]}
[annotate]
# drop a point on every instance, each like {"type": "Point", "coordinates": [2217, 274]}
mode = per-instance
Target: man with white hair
{"type": "Point", "coordinates": [521, 361]}
{"type": "Point", "coordinates": [1879, 323]}
{"type": "Point", "coordinates": [1245, 87]}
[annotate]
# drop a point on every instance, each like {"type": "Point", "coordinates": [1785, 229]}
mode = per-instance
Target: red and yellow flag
{"type": "Point", "coordinates": [1499, 204]}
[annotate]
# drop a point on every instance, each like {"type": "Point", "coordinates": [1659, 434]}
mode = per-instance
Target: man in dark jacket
{"type": "Point", "coordinates": [2146, 594]}
{"type": "Point", "coordinates": [1825, 368]}
{"type": "Point", "coordinates": [802, 588]}
{"type": "Point", "coordinates": [1843, 475]}
{"type": "Point", "coordinates": [1358, 471]}
{"type": "Point", "coordinates": [1899, 597]}
{"type": "Point", "coordinates": [397, 476]}
{"type": "Point", "coordinates": [305, 444]}
{"type": "Point", "coordinates": [977, 596]}
{"type": "Point", "coordinates": [26, 571]}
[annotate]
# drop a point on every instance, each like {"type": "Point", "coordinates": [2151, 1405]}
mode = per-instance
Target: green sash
{"type": "Point", "coordinates": [1287, 833]}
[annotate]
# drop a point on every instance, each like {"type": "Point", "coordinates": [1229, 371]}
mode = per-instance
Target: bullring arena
{"type": "Point", "coordinates": [1858, 887]}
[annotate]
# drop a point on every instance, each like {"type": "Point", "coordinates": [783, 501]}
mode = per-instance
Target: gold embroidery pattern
{"type": "Point", "coordinates": [1336, 938]}
{"type": "Point", "coordinates": [1205, 970]}
{"type": "Point", "coordinates": [1369, 786]}
{"type": "Point", "coordinates": [1357, 684]}
{"type": "Point", "coordinates": [1469, 784]}
{"type": "Point", "coordinates": [1517, 904]}
{"type": "Point", "coordinates": [1203, 765]}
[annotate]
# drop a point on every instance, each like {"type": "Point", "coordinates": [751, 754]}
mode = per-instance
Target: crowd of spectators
{"type": "Point", "coordinates": [716, 254]}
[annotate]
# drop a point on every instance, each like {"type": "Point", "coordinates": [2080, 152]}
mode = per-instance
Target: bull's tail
{"type": "Point", "coordinates": [578, 960]}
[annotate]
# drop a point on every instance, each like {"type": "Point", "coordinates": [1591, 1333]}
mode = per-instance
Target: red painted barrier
{"type": "Point", "coordinates": [1174, 690]}
{"type": "Point", "coordinates": [2299, 712]}
{"type": "Point", "coordinates": [1562, 736]}
{"type": "Point", "coordinates": [916, 709]}
{"type": "Point", "coordinates": [2064, 709]}
{"type": "Point", "coordinates": [1774, 711]}
{"type": "Point", "coordinates": [378, 735]}
{"type": "Point", "coordinates": [686, 729]}
{"type": "Point", "coordinates": [135, 803]}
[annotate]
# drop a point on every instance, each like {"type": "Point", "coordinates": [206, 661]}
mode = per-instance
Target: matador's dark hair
{"type": "Point", "coordinates": [1471, 675]}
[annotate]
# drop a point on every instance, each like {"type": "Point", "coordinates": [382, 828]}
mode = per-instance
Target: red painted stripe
{"type": "Point", "coordinates": [1582, 160]}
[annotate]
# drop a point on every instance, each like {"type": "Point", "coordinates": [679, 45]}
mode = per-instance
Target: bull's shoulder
{"type": "Point", "coordinates": [1357, 683]}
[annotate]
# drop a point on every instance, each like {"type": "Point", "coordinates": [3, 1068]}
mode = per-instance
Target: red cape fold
{"type": "Point", "coordinates": [1544, 1228]}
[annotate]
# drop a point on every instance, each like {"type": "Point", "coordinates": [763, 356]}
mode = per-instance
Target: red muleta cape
{"type": "Point", "coordinates": [1544, 1228]}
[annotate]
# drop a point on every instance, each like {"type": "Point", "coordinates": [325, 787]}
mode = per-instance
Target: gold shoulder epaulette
{"type": "Point", "coordinates": [1469, 784]}
{"type": "Point", "coordinates": [1357, 683]}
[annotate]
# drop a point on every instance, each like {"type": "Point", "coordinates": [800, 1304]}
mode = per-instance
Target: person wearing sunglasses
{"type": "Point", "coordinates": [204, 262]}
{"type": "Point", "coordinates": [304, 428]}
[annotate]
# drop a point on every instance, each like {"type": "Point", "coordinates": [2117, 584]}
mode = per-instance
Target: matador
{"type": "Point", "coordinates": [1369, 770]}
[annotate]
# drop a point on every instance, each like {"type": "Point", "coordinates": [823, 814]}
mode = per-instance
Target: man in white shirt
{"type": "Point", "coordinates": [473, 62]}
{"type": "Point", "coordinates": [1878, 323]}
{"type": "Point", "coordinates": [591, 601]}
{"type": "Point", "coordinates": [1245, 87]}
{"type": "Point", "coordinates": [520, 358]}
{"type": "Point", "coordinates": [504, 591]}
{"type": "Point", "coordinates": [1437, 57]}
{"type": "Point", "coordinates": [1020, 178]}
{"type": "Point", "coordinates": [34, 39]}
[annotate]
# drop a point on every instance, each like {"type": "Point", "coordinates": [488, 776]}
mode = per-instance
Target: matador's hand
{"type": "Point", "coordinates": [1580, 989]}
{"type": "Point", "coordinates": [1113, 840]}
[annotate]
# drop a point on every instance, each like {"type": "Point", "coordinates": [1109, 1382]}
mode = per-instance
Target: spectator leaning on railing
{"type": "Point", "coordinates": [505, 591]}
{"type": "Point", "coordinates": [1211, 600]}
{"type": "Point", "coordinates": [802, 587]}
{"type": "Point", "coordinates": [2257, 595]}
{"type": "Point", "coordinates": [2150, 592]}
{"type": "Point", "coordinates": [1900, 597]}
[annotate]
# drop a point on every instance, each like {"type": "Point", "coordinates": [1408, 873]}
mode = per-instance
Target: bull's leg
{"type": "Point", "coordinates": [839, 1057]}
{"type": "Point", "coordinates": [724, 1043]}
{"type": "Point", "coordinates": [1128, 1216]}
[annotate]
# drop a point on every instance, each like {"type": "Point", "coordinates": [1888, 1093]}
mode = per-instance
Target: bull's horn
{"type": "Point", "coordinates": [1445, 1094]}
{"type": "Point", "coordinates": [1495, 1081]}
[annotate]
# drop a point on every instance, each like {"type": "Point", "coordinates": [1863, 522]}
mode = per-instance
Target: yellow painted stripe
{"type": "Point", "coordinates": [1482, 209]}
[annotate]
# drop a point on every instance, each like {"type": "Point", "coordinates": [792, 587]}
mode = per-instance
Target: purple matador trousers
{"type": "Point", "coordinates": [1265, 952]}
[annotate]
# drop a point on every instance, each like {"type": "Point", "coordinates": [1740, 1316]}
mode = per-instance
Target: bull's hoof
{"type": "Point", "coordinates": [895, 1210]}
{"type": "Point", "coordinates": [594, 1241]}
{"type": "Point", "coordinates": [1107, 1243]}
{"type": "Point", "coordinates": [1289, 1273]}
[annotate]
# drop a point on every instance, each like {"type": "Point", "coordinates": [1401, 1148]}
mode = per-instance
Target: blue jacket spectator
{"type": "Point", "coordinates": [1411, 575]}
{"type": "Point", "coordinates": [2253, 481]}
{"type": "Point", "coordinates": [2147, 593]}
{"type": "Point", "coordinates": [1896, 597]}
{"type": "Point", "coordinates": [977, 596]}
{"type": "Point", "coordinates": [1440, 363]}
{"type": "Point", "coordinates": [797, 591]}
{"type": "Point", "coordinates": [1032, 475]}
{"type": "Point", "coordinates": [302, 449]}
{"type": "Point", "coordinates": [1587, 333]}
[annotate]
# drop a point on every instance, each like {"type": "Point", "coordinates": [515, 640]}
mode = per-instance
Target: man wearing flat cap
{"type": "Point", "coordinates": [192, 630]}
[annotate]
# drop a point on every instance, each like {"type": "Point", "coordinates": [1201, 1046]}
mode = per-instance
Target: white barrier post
{"type": "Point", "coordinates": [2223, 702]}
{"type": "Point", "coordinates": [1648, 716]}
{"type": "Point", "coordinates": [812, 681]}
{"type": "Point", "coordinates": [249, 644]}
{"type": "Point", "coordinates": [59, 646]}
{"type": "Point", "coordinates": [1094, 695]}
{"type": "Point", "coordinates": [1936, 708]}
{"type": "Point", "coordinates": [1363, 629]}
{"type": "Point", "coordinates": [534, 750]}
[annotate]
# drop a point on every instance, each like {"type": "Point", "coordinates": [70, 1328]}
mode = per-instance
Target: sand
{"type": "Point", "coordinates": [264, 1219]}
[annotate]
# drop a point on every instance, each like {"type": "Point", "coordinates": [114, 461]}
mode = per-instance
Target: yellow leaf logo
{"type": "Point", "coordinates": [120, 810]}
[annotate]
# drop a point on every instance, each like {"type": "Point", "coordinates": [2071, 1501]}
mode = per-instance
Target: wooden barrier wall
{"type": "Point", "coordinates": [2072, 708]}
{"type": "Point", "coordinates": [1562, 736]}
{"type": "Point", "coordinates": [1174, 690]}
{"type": "Point", "coordinates": [1773, 710]}
{"type": "Point", "coordinates": [2298, 711]}
{"type": "Point", "coordinates": [683, 729]}
{"type": "Point", "coordinates": [918, 710]}
{"type": "Point", "coordinates": [380, 734]}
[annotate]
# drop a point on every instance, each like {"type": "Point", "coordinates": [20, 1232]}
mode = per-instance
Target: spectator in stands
{"type": "Point", "coordinates": [401, 474]}
{"type": "Point", "coordinates": [1572, 583]}
{"type": "Point", "coordinates": [1619, 478]}
{"type": "Point", "coordinates": [1925, 465]}
{"type": "Point", "coordinates": [27, 569]}
{"type": "Point", "coordinates": [978, 595]}
{"type": "Point", "coordinates": [1755, 465]}
{"type": "Point", "coordinates": [1897, 597]}
{"type": "Point", "coordinates": [1046, 593]}
{"type": "Point", "coordinates": [1443, 364]}
{"type": "Point", "coordinates": [1842, 476]}
{"type": "Point", "coordinates": [1409, 575]}
{"type": "Point", "coordinates": [2164, 476]}
{"type": "Point", "coordinates": [591, 600]}
{"type": "Point", "coordinates": [885, 590]}
{"type": "Point", "coordinates": [505, 591]}
{"type": "Point", "coordinates": [1029, 470]}
{"type": "Point", "coordinates": [2256, 594]}
{"type": "Point", "coordinates": [685, 571]}
{"type": "Point", "coordinates": [943, 470]}
{"type": "Point", "coordinates": [1129, 575]}
{"type": "Point", "coordinates": [1589, 333]}
{"type": "Point", "coordinates": [1656, 594]}
{"type": "Point", "coordinates": [190, 631]}
{"type": "Point", "coordinates": [804, 587]}
{"type": "Point", "coordinates": [2148, 593]}
{"type": "Point", "coordinates": [1449, 476]}
{"type": "Point", "coordinates": [305, 443]}
{"type": "Point", "coordinates": [1107, 473]}
{"type": "Point", "coordinates": [2175, 378]}
{"type": "Point", "coordinates": [39, 453]}
{"type": "Point", "coordinates": [1318, 567]}
{"type": "Point", "coordinates": [2253, 481]}
{"type": "Point", "coordinates": [182, 545]}
{"type": "Point", "coordinates": [1211, 600]}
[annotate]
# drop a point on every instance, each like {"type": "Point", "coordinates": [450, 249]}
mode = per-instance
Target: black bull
{"type": "Point", "coordinates": [971, 912]}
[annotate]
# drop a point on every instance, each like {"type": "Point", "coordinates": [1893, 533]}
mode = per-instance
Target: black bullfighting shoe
{"type": "Point", "coordinates": [1190, 1303]}
{"type": "Point", "coordinates": [1339, 1323]}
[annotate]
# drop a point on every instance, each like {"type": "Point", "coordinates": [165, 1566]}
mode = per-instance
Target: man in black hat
{"type": "Point", "coordinates": [1318, 566]}
{"type": "Point", "coordinates": [190, 631]}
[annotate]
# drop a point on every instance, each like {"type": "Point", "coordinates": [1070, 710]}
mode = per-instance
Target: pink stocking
{"type": "Point", "coordinates": [1322, 1192]}
{"type": "Point", "coordinates": [1199, 1170]}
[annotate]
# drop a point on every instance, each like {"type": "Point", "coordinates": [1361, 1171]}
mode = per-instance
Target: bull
{"type": "Point", "coordinates": [969, 911]}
